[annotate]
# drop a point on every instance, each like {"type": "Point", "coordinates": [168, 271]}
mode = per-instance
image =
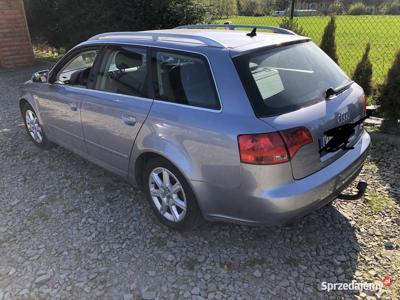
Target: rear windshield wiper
{"type": "Point", "coordinates": [336, 91]}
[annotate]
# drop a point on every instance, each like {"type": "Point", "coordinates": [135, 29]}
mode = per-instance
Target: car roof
{"type": "Point", "coordinates": [235, 40]}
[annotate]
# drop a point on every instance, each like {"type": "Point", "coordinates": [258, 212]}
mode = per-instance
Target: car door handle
{"type": "Point", "coordinates": [129, 120]}
{"type": "Point", "coordinates": [73, 106]}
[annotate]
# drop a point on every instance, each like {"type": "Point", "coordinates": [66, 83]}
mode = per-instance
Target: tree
{"type": "Point", "coordinates": [224, 8]}
{"type": "Point", "coordinates": [358, 8]}
{"type": "Point", "coordinates": [336, 8]}
{"type": "Point", "coordinates": [292, 25]}
{"type": "Point", "coordinates": [328, 43]}
{"type": "Point", "coordinates": [363, 72]}
{"type": "Point", "coordinates": [64, 23]}
{"type": "Point", "coordinates": [390, 7]}
{"type": "Point", "coordinates": [253, 7]}
{"type": "Point", "coordinates": [394, 8]}
{"type": "Point", "coordinates": [389, 98]}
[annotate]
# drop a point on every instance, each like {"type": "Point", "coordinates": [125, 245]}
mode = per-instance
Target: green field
{"type": "Point", "coordinates": [352, 34]}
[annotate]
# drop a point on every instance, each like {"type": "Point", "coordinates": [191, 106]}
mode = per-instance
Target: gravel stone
{"type": "Point", "coordinates": [341, 258]}
{"type": "Point", "coordinates": [128, 297]}
{"type": "Point", "coordinates": [390, 246]}
{"type": "Point", "coordinates": [195, 290]}
{"type": "Point", "coordinates": [43, 197]}
{"type": "Point", "coordinates": [257, 273]}
{"type": "Point", "coordinates": [170, 257]}
{"type": "Point", "coordinates": [148, 295]}
{"type": "Point", "coordinates": [41, 280]}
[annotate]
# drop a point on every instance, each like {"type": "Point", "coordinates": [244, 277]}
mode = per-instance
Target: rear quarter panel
{"type": "Point", "coordinates": [202, 143]}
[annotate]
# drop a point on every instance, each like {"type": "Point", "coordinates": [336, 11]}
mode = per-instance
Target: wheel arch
{"type": "Point", "coordinates": [146, 156]}
{"type": "Point", "coordinates": [22, 103]}
{"type": "Point", "coordinates": [27, 99]}
{"type": "Point", "coordinates": [140, 163]}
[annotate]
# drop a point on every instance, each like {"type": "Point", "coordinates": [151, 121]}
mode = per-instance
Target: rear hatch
{"type": "Point", "coordinates": [319, 118]}
{"type": "Point", "coordinates": [292, 86]}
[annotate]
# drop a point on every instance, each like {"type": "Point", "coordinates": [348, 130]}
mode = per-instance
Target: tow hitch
{"type": "Point", "coordinates": [361, 187]}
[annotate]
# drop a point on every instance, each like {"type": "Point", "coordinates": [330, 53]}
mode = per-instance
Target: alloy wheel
{"type": "Point", "coordinates": [167, 194]}
{"type": "Point", "coordinates": [33, 126]}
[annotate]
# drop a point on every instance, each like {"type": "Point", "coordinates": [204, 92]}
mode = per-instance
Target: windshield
{"type": "Point", "coordinates": [287, 78]}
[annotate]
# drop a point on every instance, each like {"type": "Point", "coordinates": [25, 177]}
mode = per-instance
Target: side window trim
{"type": "Point", "coordinates": [100, 59]}
{"type": "Point", "coordinates": [154, 81]}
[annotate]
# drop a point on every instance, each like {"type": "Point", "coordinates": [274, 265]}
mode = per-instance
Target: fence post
{"type": "Point", "coordinates": [292, 9]}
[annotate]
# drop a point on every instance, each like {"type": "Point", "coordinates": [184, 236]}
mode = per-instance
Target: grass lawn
{"type": "Point", "coordinates": [352, 34]}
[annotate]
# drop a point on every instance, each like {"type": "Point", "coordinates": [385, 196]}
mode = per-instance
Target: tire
{"type": "Point", "coordinates": [34, 129]}
{"type": "Point", "coordinates": [179, 209]}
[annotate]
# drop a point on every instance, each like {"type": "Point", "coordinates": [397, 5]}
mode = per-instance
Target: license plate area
{"type": "Point", "coordinates": [323, 141]}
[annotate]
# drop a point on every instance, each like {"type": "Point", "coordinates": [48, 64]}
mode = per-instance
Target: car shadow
{"type": "Point", "coordinates": [316, 248]}
{"type": "Point", "coordinates": [280, 261]}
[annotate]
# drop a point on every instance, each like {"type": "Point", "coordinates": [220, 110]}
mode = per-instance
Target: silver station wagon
{"type": "Point", "coordinates": [229, 125]}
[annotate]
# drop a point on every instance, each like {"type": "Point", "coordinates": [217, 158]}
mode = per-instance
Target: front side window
{"type": "Point", "coordinates": [287, 78]}
{"type": "Point", "coordinates": [76, 71]}
{"type": "Point", "coordinates": [184, 79]}
{"type": "Point", "coordinates": [123, 71]}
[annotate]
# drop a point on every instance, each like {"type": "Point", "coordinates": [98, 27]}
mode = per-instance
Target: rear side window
{"type": "Point", "coordinates": [185, 79]}
{"type": "Point", "coordinates": [123, 71]}
{"type": "Point", "coordinates": [288, 78]}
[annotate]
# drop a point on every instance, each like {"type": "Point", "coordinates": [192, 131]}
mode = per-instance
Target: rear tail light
{"type": "Point", "coordinates": [364, 105]}
{"type": "Point", "coordinates": [296, 138]}
{"type": "Point", "coordinates": [272, 148]}
{"type": "Point", "coordinates": [262, 149]}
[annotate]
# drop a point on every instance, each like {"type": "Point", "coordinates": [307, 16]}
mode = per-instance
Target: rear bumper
{"type": "Point", "coordinates": [282, 203]}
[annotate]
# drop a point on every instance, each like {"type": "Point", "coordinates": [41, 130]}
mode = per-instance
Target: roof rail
{"type": "Point", "coordinates": [234, 26]}
{"type": "Point", "coordinates": [166, 36]}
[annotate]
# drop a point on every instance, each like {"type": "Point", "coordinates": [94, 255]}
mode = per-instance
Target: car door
{"type": "Point", "coordinates": [60, 101]}
{"type": "Point", "coordinates": [114, 111]}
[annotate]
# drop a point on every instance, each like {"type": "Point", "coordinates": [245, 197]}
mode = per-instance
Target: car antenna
{"type": "Point", "coordinates": [253, 33]}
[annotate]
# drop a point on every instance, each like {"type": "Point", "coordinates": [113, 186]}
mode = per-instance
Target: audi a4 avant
{"type": "Point", "coordinates": [227, 125]}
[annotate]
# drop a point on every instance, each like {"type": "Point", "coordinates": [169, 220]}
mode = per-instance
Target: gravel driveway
{"type": "Point", "coordinates": [69, 230]}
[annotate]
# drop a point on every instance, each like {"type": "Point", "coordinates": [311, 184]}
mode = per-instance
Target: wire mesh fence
{"type": "Point", "coordinates": [357, 23]}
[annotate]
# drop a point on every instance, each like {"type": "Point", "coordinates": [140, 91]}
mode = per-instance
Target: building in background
{"type": "Point", "coordinates": [15, 44]}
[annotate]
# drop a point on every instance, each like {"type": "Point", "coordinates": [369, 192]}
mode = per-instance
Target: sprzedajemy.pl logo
{"type": "Point", "coordinates": [356, 286]}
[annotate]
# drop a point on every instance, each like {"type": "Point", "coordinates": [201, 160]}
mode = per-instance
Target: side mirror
{"type": "Point", "coordinates": [40, 76]}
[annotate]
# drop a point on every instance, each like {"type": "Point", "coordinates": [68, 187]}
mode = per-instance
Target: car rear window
{"type": "Point", "coordinates": [284, 79]}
